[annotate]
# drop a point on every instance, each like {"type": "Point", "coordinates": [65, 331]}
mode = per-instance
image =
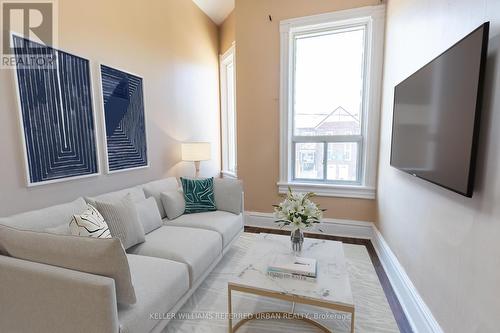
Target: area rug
{"type": "Point", "coordinates": [205, 311]}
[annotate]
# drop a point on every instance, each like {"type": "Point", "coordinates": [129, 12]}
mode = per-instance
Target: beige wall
{"type": "Point", "coordinates": [448, 244]}
{"type": "Point", "coordinates": [227, 33]}
{"type": "Point", "coordinates": [258, 63]}
{"type": "Point", "coordinates": [173, 45]}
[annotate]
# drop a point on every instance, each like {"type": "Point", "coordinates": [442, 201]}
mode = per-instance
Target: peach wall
{"type": "Point", "coordinates": [173, 45]}
{"type": "Point", "coordinates": [258, 75]}
{"type": "Point", "coordinates": [227, 33]}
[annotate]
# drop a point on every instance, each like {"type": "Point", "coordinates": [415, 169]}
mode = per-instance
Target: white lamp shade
{"type": "Point", "coordinates": [195, 151]}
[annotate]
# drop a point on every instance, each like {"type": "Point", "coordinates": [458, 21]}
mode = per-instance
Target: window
{"type": "Point", "coordinates": [330, 98]}
{"type": "Point", "coordinates": [228, 113]}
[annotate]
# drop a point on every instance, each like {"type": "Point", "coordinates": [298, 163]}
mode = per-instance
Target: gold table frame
{"type": "Point", "coordinates": [286, 297]}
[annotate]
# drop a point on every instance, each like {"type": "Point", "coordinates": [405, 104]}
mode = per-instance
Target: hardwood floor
{"type": "Point", "coordinates": [397, 310]}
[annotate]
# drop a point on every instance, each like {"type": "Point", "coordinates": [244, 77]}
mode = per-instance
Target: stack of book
{"type": "Point", "coordinates": [290, 267]}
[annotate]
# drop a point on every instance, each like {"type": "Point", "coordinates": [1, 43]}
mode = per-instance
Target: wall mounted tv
{"type": "Point", "coordinates": [436, 116]}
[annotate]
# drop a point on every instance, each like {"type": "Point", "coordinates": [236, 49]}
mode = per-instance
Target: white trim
{"type": "Point", "coordinates": [103, 121]}
{"type": "Point", "coordinates": [21, 124]}
{"type": "Point", "coordinates": [373, 17]}
{"type": "Point", "coordinates": [324, 20]}
{"type": "Point", "coordinates": [339, 227]}
{"type": "Point", "coordinates": [229, 174]}
{"type": "Point", "coordinates": [418, 314]}
{"type": "Point", "coordinates": [228, 57]}
{"type": "Point", "coordinates": [329, 190]}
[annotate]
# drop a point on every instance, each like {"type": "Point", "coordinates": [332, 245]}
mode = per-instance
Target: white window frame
{"type": "Point", "coordinates": [225, 59]}
{"type": "Point", "coordinates": [373, 18]}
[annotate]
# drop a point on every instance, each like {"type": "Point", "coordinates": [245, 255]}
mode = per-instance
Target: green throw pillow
{"type": "Point", "coordinates": [199, 195]}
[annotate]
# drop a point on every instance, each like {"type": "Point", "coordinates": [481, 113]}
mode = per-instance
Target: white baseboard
{"type": "Point", "coordinates": [417, 312]}
{"type": "Point", "coordinates": [337, 227]}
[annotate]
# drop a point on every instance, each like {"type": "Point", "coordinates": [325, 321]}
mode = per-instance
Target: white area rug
{"type": "Point", "coordinates": [206, 308]}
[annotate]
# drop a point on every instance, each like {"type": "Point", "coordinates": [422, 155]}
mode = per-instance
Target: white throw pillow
{"type": "Point", "coordinates": [173, 203]}
{"type": "Point", "coordinates": [228, 195]}
{"type": "Point", "coordinates": [155, 188]}
{"type": "Point", "coordinates": [90, 224]}
{"type": "Point", "coordinates": [148, 214]}
{"type": "Point", "coordinates": [123, 221]}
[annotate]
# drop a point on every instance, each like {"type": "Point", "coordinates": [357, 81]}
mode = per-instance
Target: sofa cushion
{"type": "Point", "coordinates": [174, 204]}
{"type": "Point", "coordinates": [197, 248]}
{"type": "Point", "coordinates": [159, 285]}
{"type": "Point", "coordinates": [123, 220]}
{"type": "Point", "coordinates": [62, 229]}
{"type": "Point", "coordinates": [226, 224]}
{"type": "Point", "coordinates": [46, 218]}
{"type": "Point", "coordinates": [154, 189]}
{"type": "Point", "coordinates": [100, 256]}
{"type": "Point", "coordinates": [148, 213]}
{"type": "Point", "coordinates": [135, 192]}
{"type": "Point", "coordinates": [198, 195]}
{"type": "Point", "coordinates": [228, 195]}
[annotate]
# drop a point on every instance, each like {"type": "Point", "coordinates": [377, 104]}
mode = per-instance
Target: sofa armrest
{"type": "Point", "coordinates": [229, 195]}
{"type": "Point", "coordinates": [36, 297]}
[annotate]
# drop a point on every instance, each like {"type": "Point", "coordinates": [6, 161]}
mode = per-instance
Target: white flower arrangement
{"type": "Point", "coordinates": [298, 211]}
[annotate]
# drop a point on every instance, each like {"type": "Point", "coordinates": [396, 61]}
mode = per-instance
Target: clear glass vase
{"type": "Point", "coordinates": [297, 239]}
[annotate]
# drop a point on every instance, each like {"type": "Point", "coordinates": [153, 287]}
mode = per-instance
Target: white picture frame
{"type": "Point", "coordinates": [27, 163]}
{"type": "Point", "coordinates": [103, 123]}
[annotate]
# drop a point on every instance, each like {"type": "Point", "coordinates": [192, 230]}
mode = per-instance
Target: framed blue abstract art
{"type": "Point", "coordinates": [56, 115]}
{"type": "Point", "coordinates": [124, 120]}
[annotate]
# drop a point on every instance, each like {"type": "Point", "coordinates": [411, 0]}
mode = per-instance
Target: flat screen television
{"type": "Point", "coordinates": [436, 116]}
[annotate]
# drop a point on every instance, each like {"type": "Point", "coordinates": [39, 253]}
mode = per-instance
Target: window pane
{"type": "Point", "coordinates": [329, 83]}
{"type": "Point", "coordinates": [228, 116]}
{"type": "Point", "coordinates": [309, 160]}
{"type": "Point", "coordinates": [231, 125]}
{"type": "Point", "coordinates": [342, 161]}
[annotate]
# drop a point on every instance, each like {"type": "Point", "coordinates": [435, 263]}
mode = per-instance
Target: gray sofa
{"type": "Point", "coordinates": [165, 269]}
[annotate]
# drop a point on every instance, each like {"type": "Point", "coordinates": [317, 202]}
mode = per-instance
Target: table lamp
{"type": "Point", "coordinates": [196, 152]}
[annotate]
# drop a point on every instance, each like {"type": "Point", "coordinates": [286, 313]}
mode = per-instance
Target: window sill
{"type": "Point", "coordinates": [228, 174]}
{"type": "Point", "coordinates": [330, 190]}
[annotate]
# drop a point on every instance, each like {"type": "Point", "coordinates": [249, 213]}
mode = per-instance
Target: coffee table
{"type": "Point", "coordinates": [331, 290]}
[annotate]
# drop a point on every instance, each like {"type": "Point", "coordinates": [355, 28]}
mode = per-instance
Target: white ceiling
{"type": "Point", "coordinates": [218, 10]}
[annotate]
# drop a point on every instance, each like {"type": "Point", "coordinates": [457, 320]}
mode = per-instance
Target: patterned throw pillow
{"type": "Point", "coordinates": [198, 195]}
{"type": "Point", "coordinates": [90, 224]}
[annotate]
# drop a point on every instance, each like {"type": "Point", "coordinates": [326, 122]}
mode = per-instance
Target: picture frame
{"type": "Point", "coordinates": [124, 122]}
{"type": "Point", "coordinates": [64, 147]}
